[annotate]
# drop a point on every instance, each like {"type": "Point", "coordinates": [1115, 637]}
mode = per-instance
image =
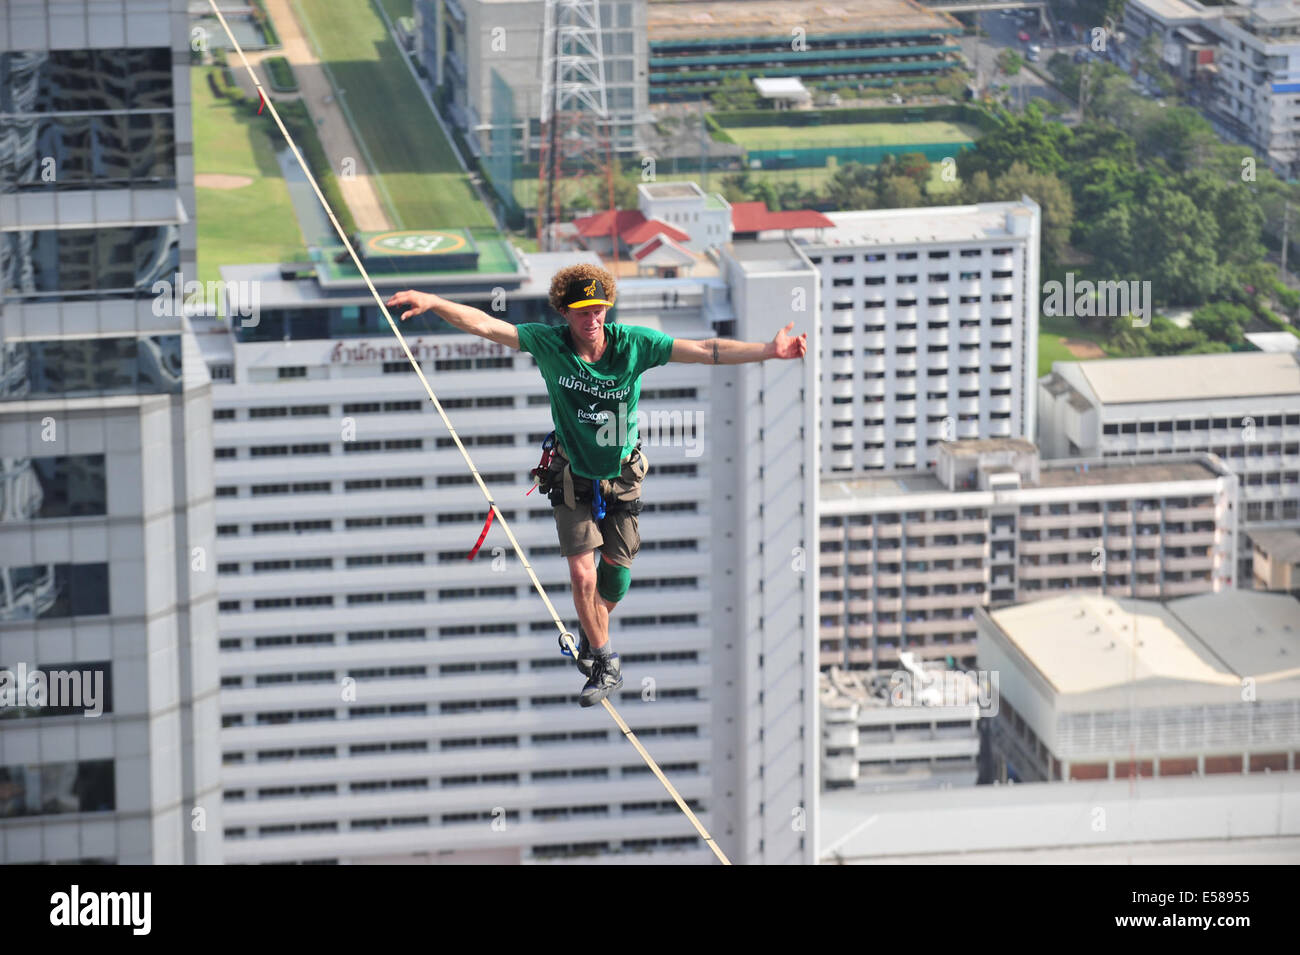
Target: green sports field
{"type": "Point", "coordinates": [251, 223]}
{"type": "Point", "coordinates": [420, 181]}
{"type": "Point", "coordinates": [852, 134]}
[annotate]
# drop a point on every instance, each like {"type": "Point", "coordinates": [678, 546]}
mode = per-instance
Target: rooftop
{"type": "Point", "coordinates": [1092, 472]}
{"type": "Point", "coordinates": [1283, 545]}
{"type": "Point", "coordinates": [756, 217]}
{"type": "Point", "coordinates": [886, 227]}
{"type": "Point", "coordinates": [974, 446]}
{"type": "Point", "coordinates": [1084, 643]}
{"type": "Point", "coordinates": [1192, 377]}
{"type": "Point", "coordinates": [1168, 10]}
{"type": "Point", "coordinates": [1209, 819]}
{"type": "Point", "coordinates": [1273, 341]}
{"type": "Point", "coordinates": [765, 255]}
{"type": "Point", "coordinates": [671, 190]}
{"type": "Point", "coordinates": [746, 18]}
{"type": "Point", "coordinates": [335, 268]}
{"type": "Point", "coordinates": [880, 484]}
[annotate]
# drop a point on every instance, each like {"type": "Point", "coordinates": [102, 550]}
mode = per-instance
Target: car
{"type": "Point", "coordinates": [1034, 51]}
{"type": "Point", "coordinates": [1081, 56]}
{"type": "Point", "coordinates": [1022, 36]}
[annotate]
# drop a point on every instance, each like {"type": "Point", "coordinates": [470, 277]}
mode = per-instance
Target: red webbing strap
{"type": "Point", "coordinates": [483, 536]}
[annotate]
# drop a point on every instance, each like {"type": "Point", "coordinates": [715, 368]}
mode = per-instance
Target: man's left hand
{"type": "Point", "coordinates": [786, 347]}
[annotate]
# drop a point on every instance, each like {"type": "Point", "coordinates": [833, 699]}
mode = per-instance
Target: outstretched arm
{"type": "Point", "coordinates": [724, 351]}
{"type": "Point", "coordinates": [465, 317]}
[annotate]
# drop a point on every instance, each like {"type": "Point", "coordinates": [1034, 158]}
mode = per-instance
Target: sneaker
{"type": "Point", "coordinates": [585, 655]}
{"type": "Point", "coordinates": [606, 677]}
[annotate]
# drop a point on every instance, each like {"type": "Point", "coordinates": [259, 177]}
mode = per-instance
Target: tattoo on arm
{"type": "Point", "coordinates": [715, 351]}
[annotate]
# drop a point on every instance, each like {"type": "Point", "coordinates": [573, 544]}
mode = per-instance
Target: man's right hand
{"type": "Point", "coordinates": [420, 302]}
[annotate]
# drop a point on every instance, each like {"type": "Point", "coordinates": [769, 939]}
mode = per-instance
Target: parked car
{"type": "Point", "coordinates": [1034, 52]}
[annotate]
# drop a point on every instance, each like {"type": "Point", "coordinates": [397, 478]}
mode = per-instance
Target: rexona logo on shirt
{"type": "Point", "coordinates": [595, 417]}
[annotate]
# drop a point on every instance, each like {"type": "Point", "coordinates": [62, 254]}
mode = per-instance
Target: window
{"type": "Point", "coordinates": [55, 590]}
{"type": "Point", "coordinates": [40, 789]}
{"type": "Point", "coordinates": [63, 486]}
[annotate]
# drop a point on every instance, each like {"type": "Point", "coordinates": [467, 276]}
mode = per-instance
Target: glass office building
{"type": "Point", "coordinates": [107, 587]}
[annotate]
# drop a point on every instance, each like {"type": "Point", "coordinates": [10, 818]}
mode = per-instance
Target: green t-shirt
{"type": "Point", "coordinates": [594, 405]}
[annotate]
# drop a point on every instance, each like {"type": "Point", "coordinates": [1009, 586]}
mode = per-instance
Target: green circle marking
{"type": "Point", "coordinates": [416, 242]}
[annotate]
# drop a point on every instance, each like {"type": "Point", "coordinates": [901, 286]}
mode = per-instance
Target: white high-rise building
{"type": "Point", "coordinates": [929, 330]}
{"type": "Point", "coordinates": [107, 569]}
{"type": "Point", "coordinates": [384, 699]}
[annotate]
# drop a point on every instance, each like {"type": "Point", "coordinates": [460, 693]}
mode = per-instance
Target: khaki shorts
{"type": "Point", "coordinates": [617, 536]}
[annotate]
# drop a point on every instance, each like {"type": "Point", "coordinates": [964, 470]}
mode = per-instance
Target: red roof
{"type": "Point", "coordinates": [657, 242]}
{"type": "Point", "coordinates": [755, 217]}
{"type": "Point", "coordinates": [639, 233]}
{"type": "Point", "coordinates": [632, 227]}
{"type": "Point", "coordinates": [600, 222]}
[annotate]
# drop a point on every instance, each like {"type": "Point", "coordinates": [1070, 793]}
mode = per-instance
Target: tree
{"type": "Point", "coordinates": [1095, 139]}
{"type": "Point", "coordinates": [1023, 138]}
{"type": "Point", "coordinates": [1109, 240]}
{"type": "Point", "coordinates": [852, 187]}
{"type": "Point", "coordinates": [1222, 322]}
{"type": "Point", "coordinates": [735, 91]}
{"type": "Point", "coordinates": [1099, 185]}
{"type": "Point", "coordinates": [1239, 217]}
{"type": "Point", "coordinates": [766, 193]}
{"type": "Point", "coordinates": [1174, 246]}
{"type": "Point", "coordinates": [900, 192]}
{"type": "Point", "coordinates": [1255, 282]}
{"type": "Point", "coordinates": [1051, 195]}
{"type": "Point", "coordinates": [1179, 135]}
{"type": "Point", "coordinates": [916, 167]}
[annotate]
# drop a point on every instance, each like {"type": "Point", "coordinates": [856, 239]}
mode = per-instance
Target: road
{"type": "Point", "coordinates": [982, 52]}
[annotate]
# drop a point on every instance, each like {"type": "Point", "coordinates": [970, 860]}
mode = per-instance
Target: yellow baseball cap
{"type": "Point", "coordinates": [584, 292]}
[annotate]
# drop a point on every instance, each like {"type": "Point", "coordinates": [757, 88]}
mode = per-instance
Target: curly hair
{"type": "Point", "coordinates": [570, 272]}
